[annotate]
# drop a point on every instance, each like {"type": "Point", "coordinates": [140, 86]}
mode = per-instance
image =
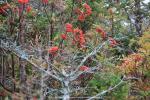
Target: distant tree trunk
{"type": "Point", "coordinates": [112, 24]}
{"type": "Point", "coordinates": [42, 96]}
{"type": "Point", "coordinates": [51, 24]}
{"type": "Point", "coordinates": [50, 35]}
{"type": "Point", "coordinates": [22, 63]}
{"type": "Point", "coordinates": [21, 31]}
{"type": "Point", "coordinates": [23, 77]}
{"type": "Point", "coordinates": [3, 69]}
{"type": "Point", "coordinates": [13, 71]}
{"type": "Point", "coordinates": [138, 17]}
{"type": "Point", "coordinates": [22, 71]}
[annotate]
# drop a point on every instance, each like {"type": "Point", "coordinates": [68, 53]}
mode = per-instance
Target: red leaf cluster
{"type": "Point", "coordinates": [113, 42]}
{"type": "Point", "coordinates": [137, 57]}
{"type": "Point", "coordinates": [23, 1]}
{"type": "Point", "coordinates": [82, 15]}
{"type": "Point", "coordinates": [28, 9]}
{"type": "Point", "coordinates": [102, 32]}
{"type": "Point", "coordinates": [45, 1]}
{"type": "Point", "coordinates": [53, 50]}
{"type": "Point", "coordinates": [79, 37]}
{"type": "Point", "coordinates": [69, 27]}
{"type": "Point", "coordinates": [84, 68]}
{"type": "Point", "coordinates": [3, 8]}
{"type": "Point", "coordinates": [88, 9]}
{"type": "Point", "coordinates": [63, 36]}
{"type": "Point", "coordinates": [77, 33]}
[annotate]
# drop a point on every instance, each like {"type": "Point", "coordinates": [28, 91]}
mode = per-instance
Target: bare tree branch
{"type": "Point", "coordinates": [86, 57]}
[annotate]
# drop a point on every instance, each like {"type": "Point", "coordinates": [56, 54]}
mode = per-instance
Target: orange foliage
{"type": "Point", "coordinates": [131, 62]}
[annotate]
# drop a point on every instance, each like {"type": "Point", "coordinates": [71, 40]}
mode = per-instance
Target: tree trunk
{"type": "Point", "coordinates": [66, 90]}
